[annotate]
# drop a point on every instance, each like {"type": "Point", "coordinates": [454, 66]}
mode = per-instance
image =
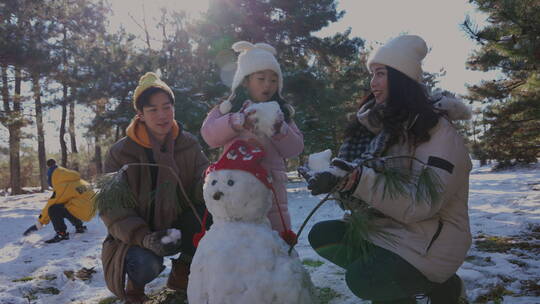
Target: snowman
{"type": "Point", "coordinates": [241, 259]}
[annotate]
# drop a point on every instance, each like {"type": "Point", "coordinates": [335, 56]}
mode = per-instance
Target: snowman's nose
{"type": "Point", "coordinates": [218, 195]}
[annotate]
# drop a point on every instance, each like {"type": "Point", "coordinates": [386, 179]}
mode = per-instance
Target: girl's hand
{"type": "Point", "coordinates": [237, 121]}
{"type": "Point", "coordinates": [250, 120]}
{"type": "Point", "coordinates": [246, 104]}
{"type": "Point", "coordinates": [278, 125]}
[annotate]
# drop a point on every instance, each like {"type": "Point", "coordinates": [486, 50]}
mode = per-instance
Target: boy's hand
{"type": "Point", "coordinates": [153, 241]}
{"type": "Point", "coordinates": [33, 228]}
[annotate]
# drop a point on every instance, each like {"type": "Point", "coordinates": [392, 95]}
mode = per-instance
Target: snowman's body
{"type": "Point", "coordinates": [240, 259]}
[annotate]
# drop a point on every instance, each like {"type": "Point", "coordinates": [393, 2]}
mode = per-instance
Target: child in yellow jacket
{"type": "Point", "coordinates": [72, 199]}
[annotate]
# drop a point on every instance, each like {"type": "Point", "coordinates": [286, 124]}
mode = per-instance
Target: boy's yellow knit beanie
{"type": "Point", "coordinates": [147, 81]}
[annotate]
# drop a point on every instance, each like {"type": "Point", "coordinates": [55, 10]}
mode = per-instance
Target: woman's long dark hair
{"type": "Point", "coordinates": [241, 94]}
{"type": "Point", "coordinates": [407, 109]}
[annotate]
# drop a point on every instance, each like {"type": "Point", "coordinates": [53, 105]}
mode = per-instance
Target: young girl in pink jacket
{"type": "Point", "coordinates": [258, 79]}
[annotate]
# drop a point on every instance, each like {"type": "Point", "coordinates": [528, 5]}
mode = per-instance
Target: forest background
{"type": "Point", "coordinates": [63, 55]}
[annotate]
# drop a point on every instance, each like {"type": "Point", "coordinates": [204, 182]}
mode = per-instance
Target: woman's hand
{"type": "Point", "coordinates": [322, 182]}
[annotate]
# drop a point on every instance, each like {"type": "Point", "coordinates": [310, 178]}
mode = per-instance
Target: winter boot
{"type": "Point", "coordinates": [178, 278]}
{"type": "Point", "coordinates": [60, 236]}
{"type": "Point", "coordinates": [134, 294]}
{"type": "Point", "coordinates": [80, 229]}
{"type": "Point", "coordinates": [450, 292]}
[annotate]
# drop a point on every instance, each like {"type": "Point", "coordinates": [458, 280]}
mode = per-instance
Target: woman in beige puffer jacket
{"type": "Point", "coordinates": [419, 244]}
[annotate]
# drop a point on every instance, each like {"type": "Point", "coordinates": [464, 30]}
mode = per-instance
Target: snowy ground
{"type": "Point", "coordinates": [503, 265]}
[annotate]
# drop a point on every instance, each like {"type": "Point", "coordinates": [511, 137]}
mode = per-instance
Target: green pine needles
{"type": "Point", "coordinates": [422, 184]}
{"type": "Point", "coordinates": [429, 186]}
{"type": "Point", "coordinates": [360, 226]}
{"type": "Point", "coordinates": [114, 192]}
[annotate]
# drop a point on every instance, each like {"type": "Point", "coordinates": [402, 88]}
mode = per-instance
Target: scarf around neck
{"type": "Point", "coordinates": [369, 141]}
{"type": "Point", "coordinates": [138, 132]}
{"type": "Point", "coordinates": [165, 197]}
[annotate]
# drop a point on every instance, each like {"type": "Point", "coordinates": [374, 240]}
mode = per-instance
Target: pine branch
{"type": "Point", "coordinates": [428, 187]}
{"type": "Point", "coordinates": [422, 185]}
{"type": "Point", "coordinates": [115, 192]}
{"type": "Point", "coordinates": [397, 181]}
{"type": "Point", "coordinates": [356, 236]}
{"type": "Point", "coordinates": [326, 198]}
{"type": "Point", "coordinates": [361, 225]}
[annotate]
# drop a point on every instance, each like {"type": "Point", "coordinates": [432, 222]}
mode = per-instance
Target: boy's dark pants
{"type": "Point", "coordinates": [57, 214]}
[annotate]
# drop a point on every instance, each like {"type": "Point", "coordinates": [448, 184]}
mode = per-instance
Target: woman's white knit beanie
{"type": "Point", "coordinates": [403, 53]}
{"type": "Point", "coordinates": [254, 58]}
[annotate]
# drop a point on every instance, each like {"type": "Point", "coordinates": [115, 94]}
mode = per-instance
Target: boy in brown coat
{"type": "Point", "coordinates": [134, 243]}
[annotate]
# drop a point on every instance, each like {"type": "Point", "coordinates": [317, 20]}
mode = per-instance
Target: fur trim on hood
{"type": "Point", "coordinates": [454, 108]}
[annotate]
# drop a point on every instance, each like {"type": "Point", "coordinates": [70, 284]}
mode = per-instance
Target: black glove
{"type": "Point", "coordinates": [322, 182]}
{"type": "Point", "coordinates": [153, 242]}
{"type": "Point", "coordinates": [343, 164]}
{"type": "Point", "coordinates": [304, 172]}
{"type": "Point", "coordinates": [30, 230]}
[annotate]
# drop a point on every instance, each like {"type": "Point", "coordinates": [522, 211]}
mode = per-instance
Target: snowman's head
{"type": "Point", "coordinates": [236, 195]}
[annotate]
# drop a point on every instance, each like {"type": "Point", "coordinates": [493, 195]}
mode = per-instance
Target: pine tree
{"type": "Point", "coordinates": [75, 21]}
{"type": "Point", "coordinates": [110, 69]}
{"type": "Point", "coordinates": [24, 47]}
{"type": "Point", "coordinates": [323, 77]}
{"type": "Point", "coordinates": [510, 44]}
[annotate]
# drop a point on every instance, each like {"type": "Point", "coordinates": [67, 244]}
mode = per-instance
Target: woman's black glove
{"type": "Point", "coordinates": [322, 182]}
{"type": "Point", "coordinates": [304, 172]}
{"type": "Point", "coordinates": [343, 164]}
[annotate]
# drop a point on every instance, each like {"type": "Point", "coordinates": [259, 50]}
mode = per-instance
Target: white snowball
{"type": "Point", "coordinates": [267, 114]}
{"type": "Point", "coordinates": [320, 161]}
{"type": "Point", "coordinates": [173, 236]}
{"type": "Point", "coordinates": [166, 240]}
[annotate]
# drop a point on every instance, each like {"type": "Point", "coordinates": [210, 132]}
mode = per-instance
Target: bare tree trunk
{"type": "Point", "coordinates": [100, 109]}
{"type": "Point", "coordinates": [117, 133]}
{"type": "Point", "coordinates": [7, 119]}
{"type": "Point", "coordinates": [63, 145]}
{"type": "Point", "coordinates": [5, 97]}
{"type": "Point", "coordinates": [97, 156]}
{"type": "Point", "coordinates": [72, 138]}
{"type": "Point", "coordinates": [40, 132]}
{"type": "Point", "coordinates": [15, 137]}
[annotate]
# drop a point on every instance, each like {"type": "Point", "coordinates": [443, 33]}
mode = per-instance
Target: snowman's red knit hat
{"type": "Point", "coordinates": [242, 155]}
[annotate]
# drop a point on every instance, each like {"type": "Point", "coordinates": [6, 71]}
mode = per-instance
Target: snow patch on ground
{"type": "Point", "coordinates": [505, 221]}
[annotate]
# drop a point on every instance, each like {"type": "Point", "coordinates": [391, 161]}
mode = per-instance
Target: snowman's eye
{"type": "Point", "coordinates": [214, 182]}
{"type": "Point", "coordinates": [230, 182]}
